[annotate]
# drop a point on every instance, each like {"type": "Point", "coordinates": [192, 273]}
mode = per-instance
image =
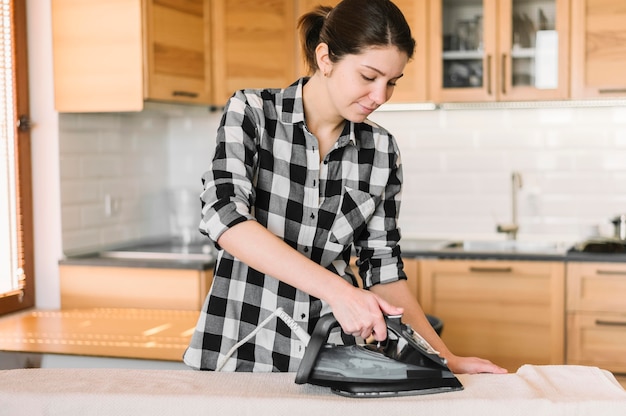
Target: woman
{"type": "Point", "coordinates": [299, 176]}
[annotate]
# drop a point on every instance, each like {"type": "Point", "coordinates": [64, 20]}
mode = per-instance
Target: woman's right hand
{"type": "Point", "coordinates": [360, 312]}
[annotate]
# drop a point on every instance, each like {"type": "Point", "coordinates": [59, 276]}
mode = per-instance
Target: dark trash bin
{"type": "Point", "coordinates": [436, 323]}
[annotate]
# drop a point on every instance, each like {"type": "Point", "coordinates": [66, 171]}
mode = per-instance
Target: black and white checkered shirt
{"type": "Point", "coordinates": [267, 168]}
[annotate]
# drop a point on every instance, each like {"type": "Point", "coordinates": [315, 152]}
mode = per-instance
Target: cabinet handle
{"type": "Point", "coordinates": [600, 322]}
{"type": "Point", "coordinates": [185, 94]}
{"type": "Point", "coordinates": [488, 74]}
{"type": "Point", "coordinates": [611, 272]}
{"type": "Point", "coordinates": [504, 73]}
{"type": "Point", "coordinates": [612, 90]}
{"type": "Point", "coordinates": [491, 269]}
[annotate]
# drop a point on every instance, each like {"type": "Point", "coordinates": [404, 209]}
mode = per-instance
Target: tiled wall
{"type": "Point", "coordinates": [457, 166]}
{"type": "Point", "coordinates": [117, 171]}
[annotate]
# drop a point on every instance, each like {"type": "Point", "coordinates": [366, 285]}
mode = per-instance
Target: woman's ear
{"type": "Point", "coordinates": [323, 59]}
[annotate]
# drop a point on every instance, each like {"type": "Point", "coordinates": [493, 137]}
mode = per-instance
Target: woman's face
{"type": "Point", "coordinates": [359, 84]}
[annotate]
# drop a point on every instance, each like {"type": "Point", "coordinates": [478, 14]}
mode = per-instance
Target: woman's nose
{"type": "Point", "coordinates": [379, 94]}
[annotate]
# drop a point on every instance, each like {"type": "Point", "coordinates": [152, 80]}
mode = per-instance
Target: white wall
{"type": "Point", "coordinates": [458, 165]}
{"type": "Point", "coordinates": [45, 156]}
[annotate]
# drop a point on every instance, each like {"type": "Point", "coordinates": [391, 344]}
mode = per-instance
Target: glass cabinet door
{"type": "Point", "coordinates": [498, 50]}
{"type": "Point", "coordinates": [463, 47]}
{"type": "Point", "coordinates": [533, 50]}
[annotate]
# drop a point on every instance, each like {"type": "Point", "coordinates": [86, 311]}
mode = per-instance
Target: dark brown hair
{"type": "Point", "coordinates": [351, 27]}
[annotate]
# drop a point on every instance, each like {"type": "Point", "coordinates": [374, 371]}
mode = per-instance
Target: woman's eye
{"type": "Point", "coordinates": [368, 78]}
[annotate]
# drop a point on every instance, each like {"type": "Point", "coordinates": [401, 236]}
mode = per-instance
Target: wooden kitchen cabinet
{"type": "Point", "coordinates": [492, 50]}
{"type": "Point", "coordinates": [596, 316]}
{"type": "Point", "coordinates": [88, 286]}
{"type": "Point", "coordinates": [113, 55]}
{"type": "Point", "coordinates": [510, 312]}
{"type": "Point", "coordinates": [598, 48]}
{"type": "Point", "coordinates": [254, 45]}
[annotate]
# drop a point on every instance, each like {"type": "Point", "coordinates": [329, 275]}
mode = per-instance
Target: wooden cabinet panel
{"type": "Point", "coordinates": [597, 339]}
{"type": "Point", "coordinates": [97, 48]}
{"type": "Point", "coordinates": [498, 67]}
{"type": "Point", "coordinates": [178, 51]}
{"type": "Point", "coordinates": [596, 287]}
{"type": "Point", "coordinates": [596, 321]}
{"type": "Point", "coordinates": [133, 287]}
{"type": "Point", "coordinates": [598, 48]}
{"type": "Point", "coordinates": [254, 45]}
{"type": "Point", "coordinates": [511, 312]}
{"type": "Point", "coordinates": [113, 55]}
{"type": "Point", "coordinates": [413, 86]}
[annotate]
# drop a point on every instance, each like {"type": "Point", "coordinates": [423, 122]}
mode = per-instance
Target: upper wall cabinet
{"type": "Point", "coordinates": [412, 87]}
{"type": "Point", "coordinates": [499, 50]}
{"type": "Point", "coordinates": [112, 55]}
{"type": "Point", "coordinates": [254, 45]}
{"type": "Point", "coordinates": [598, 48]}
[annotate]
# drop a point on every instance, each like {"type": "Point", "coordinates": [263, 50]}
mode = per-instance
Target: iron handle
{"type": "Point", "coordinates": [490, 269]}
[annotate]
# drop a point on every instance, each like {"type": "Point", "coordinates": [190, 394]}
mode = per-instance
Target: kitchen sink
{"type": "Point", "coordinates": [196, 251]}
{"type": "Point", "coordinates": [509, 246]}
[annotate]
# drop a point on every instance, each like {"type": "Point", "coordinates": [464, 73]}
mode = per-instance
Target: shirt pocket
{"type": "Point", "coordinates": [355, 210]}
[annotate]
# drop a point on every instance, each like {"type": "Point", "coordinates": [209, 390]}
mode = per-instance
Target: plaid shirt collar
{"type": "Point", "coordinates": [292, 111]}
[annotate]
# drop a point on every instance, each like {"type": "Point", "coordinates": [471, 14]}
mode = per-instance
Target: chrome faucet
{"type": "Point", "coordinates": [512, 228]}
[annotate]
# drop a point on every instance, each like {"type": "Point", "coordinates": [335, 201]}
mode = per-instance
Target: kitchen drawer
{"type": "Point", "coordinates": [133, 287]}
{"type": "Point", "coordinates": [597, 339]}
{"type": "Point", "coordinates": [510, 312]}
{"type": "Point", "coordinates": [596, 287]}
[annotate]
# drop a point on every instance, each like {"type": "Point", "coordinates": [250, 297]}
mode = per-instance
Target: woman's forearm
{"type": "Point", "coordinates": [257, 247]}
{"type": "Point", "coordinates": [359, 312]}
{"type": "Point", "coordinates": [398, 292]}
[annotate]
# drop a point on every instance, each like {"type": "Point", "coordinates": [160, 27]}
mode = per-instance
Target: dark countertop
{"type": "Point", "coordinates": [162, 254]}
{"type": "Point", "coordinates": [197, 257]}
{"type": "Point", "coordinates": [95, 260]}
{"type": "Point", "coordinates": [452, 249]}
{"type": "Point", "coordinates": [449, 249]}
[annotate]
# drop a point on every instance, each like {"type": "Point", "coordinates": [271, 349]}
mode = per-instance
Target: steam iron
{"type": "Point", "coordinates": [402, 365]}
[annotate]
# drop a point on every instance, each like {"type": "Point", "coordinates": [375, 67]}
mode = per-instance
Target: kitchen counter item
{"type": "Point", "coordinates": [532, 390]}
{"type": "Point", "coordinates": [619, 222]}
{"type": "Point", "coordinates": [164, 250]}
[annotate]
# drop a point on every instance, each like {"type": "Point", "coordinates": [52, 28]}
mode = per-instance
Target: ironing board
{"type": "Point", "coordinates": [532, 390]}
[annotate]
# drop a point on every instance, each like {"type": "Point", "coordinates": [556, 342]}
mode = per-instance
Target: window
{"type": "Point", "coordinates": [16, 234]}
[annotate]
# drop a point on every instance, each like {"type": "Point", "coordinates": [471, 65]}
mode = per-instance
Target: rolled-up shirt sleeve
{"type": "Point", "coordinates": [378, 253]}
{"type": "Point", "coordinates": [228, 184]}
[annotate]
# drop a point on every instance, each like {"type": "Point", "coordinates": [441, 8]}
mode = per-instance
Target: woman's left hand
{"type": "Point", "coordinates": [473, 365]}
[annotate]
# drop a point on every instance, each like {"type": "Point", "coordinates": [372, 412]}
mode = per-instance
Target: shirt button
{"type": "Point", "coordinates": [326, 162]}
{"type": "Point", "coordinates": [306, 249]}
{"type": "Point", "coordinates": [312, 216]}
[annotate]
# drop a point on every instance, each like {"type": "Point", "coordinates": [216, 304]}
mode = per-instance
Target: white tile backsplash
{"type": "Point", "coordinates": [457, 167]}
